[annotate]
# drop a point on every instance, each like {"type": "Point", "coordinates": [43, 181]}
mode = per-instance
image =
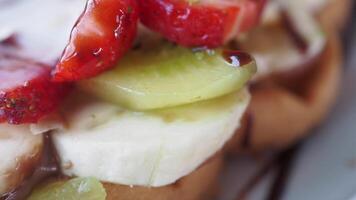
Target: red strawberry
{"type": "Point", "coordinates": [103, 33]}
{"type": "Point", "coordinates": [200, 22]}
{"type": "Point", "coordinates": [26, 91]}
{"type": "Point", "coordinates": [253, 11]}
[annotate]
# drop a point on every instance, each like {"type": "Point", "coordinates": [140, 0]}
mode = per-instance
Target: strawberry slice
{"type": "Point", "coordinates": [195, 23]}
{"type": "Point", "coordinates": [103, 33]}
{"type": "Point", "coordinates": [26, 91]}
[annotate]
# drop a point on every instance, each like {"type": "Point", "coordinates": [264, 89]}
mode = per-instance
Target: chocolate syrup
{"type": "Point", "coordinates": [256, 179]}
{"type": "Point", "coordinates": [285, 162]}
{"type": "Point", "coordinates": [48, 167]}
{"type": "Point", "coordinates": [237, 58]}
{"type": "Point", "coordinates": [294, 34]}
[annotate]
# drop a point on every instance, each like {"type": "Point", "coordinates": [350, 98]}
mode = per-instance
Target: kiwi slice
{"type": "Point", "coordinates": [78, 189]}
{"type": "Point", "coordinates": [202, 109]}
{"type": "Point", "coordinates": [165, 75]}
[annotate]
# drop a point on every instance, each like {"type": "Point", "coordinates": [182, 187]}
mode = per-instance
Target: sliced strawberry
{"type": "Point", "coordinates": [26, 91]}
{"type": "Point", "coordinates": [253, 11]}
{"type": "Point", "coordinates": [103, 33]}
{"type": "Point", "coordinates": [195, 23]}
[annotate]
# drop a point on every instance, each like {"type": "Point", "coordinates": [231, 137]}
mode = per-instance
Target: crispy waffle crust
{"type": "Point", "coordinates": [199, 185]}
{"type": "Point", "coordinates": [336, 14]}
{"type": "Point", "coordinates": [284, 108]}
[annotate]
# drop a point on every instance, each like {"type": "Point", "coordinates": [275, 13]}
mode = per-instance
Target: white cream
{"type": "Point", "coordinates": [272, 10]}
{"type": "Point", "coordinates": [129, 148]}
{"type": "Point", "coordinates": [275, 51]}
{"type": "Point", "coordinates": [16, 145]}
{"type": "Point", "coordinates": [43, 26]}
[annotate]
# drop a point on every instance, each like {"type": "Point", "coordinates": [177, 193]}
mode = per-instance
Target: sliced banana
{"type": "Point", "coordinates": [20, 152]}
{"type": "Point", "coordinates": [148, 149]}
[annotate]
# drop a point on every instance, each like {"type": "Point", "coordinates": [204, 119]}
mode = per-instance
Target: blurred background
{"type": "Point", "coordinates": [321, 167]}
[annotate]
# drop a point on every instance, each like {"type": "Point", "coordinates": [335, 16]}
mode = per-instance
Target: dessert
{"type": "Point", "coordinates": [124, 113]}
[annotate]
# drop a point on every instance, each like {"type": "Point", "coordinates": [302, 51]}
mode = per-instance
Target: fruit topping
{"type": "Point", "coordinates": [136, 139]}
{"type": "Point", "coordinates": [103, 33]}
{"type": "Point", "coordinates": [166, 75]}
{"type": "Point", "coordinates": [200, 22]}
{"type": "Point", "coordinates": [78, 189]}
{"type": "Point", "coordinates": [48, 167]}
{"type": "Point", "coordinates": [203, 109]}
{"type": "Point", "coordinates": [18, 148]}
{"type": "Point", "coordinates": [26, 91]}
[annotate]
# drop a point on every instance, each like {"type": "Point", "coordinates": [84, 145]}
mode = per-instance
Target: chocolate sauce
{"type": "Point", "coordinates": [285, 162]}
{"type": "Point", "coordinates": [256, 179]}
{"type": "Point", "coordinates": [237, 58]}
{"type": "Point", "coordinates": [247, 136]}
{"type": "Point", "coordinates": [294, 34]}
{"type": "Point", "coordinates": [48, 167]}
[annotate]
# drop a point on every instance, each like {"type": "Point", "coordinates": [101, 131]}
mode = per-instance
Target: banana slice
{"type": "Point", "coordinates": [148, 149]}
{"type": "Point", "coordinates": [20, 152]}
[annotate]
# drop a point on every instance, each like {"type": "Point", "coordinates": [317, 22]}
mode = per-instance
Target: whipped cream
{"type": "Point", "coordinates": [272, 46]}
{"type": "Point", "coordinates": [42, 27]}
{"type": "Point", "coordinates": [272, 10]}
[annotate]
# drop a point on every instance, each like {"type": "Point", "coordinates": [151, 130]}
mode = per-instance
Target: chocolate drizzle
{"type": "Point", "coordinates": [285, 162]}
{"type": "Point", "coordinates": [256, 179]}
{"type": "Point", "coordinates": [294, 34]}
{"type": "Point", "coordinates": [281, 162]}
{"type": "Point", "coordinates": [48, 167]}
